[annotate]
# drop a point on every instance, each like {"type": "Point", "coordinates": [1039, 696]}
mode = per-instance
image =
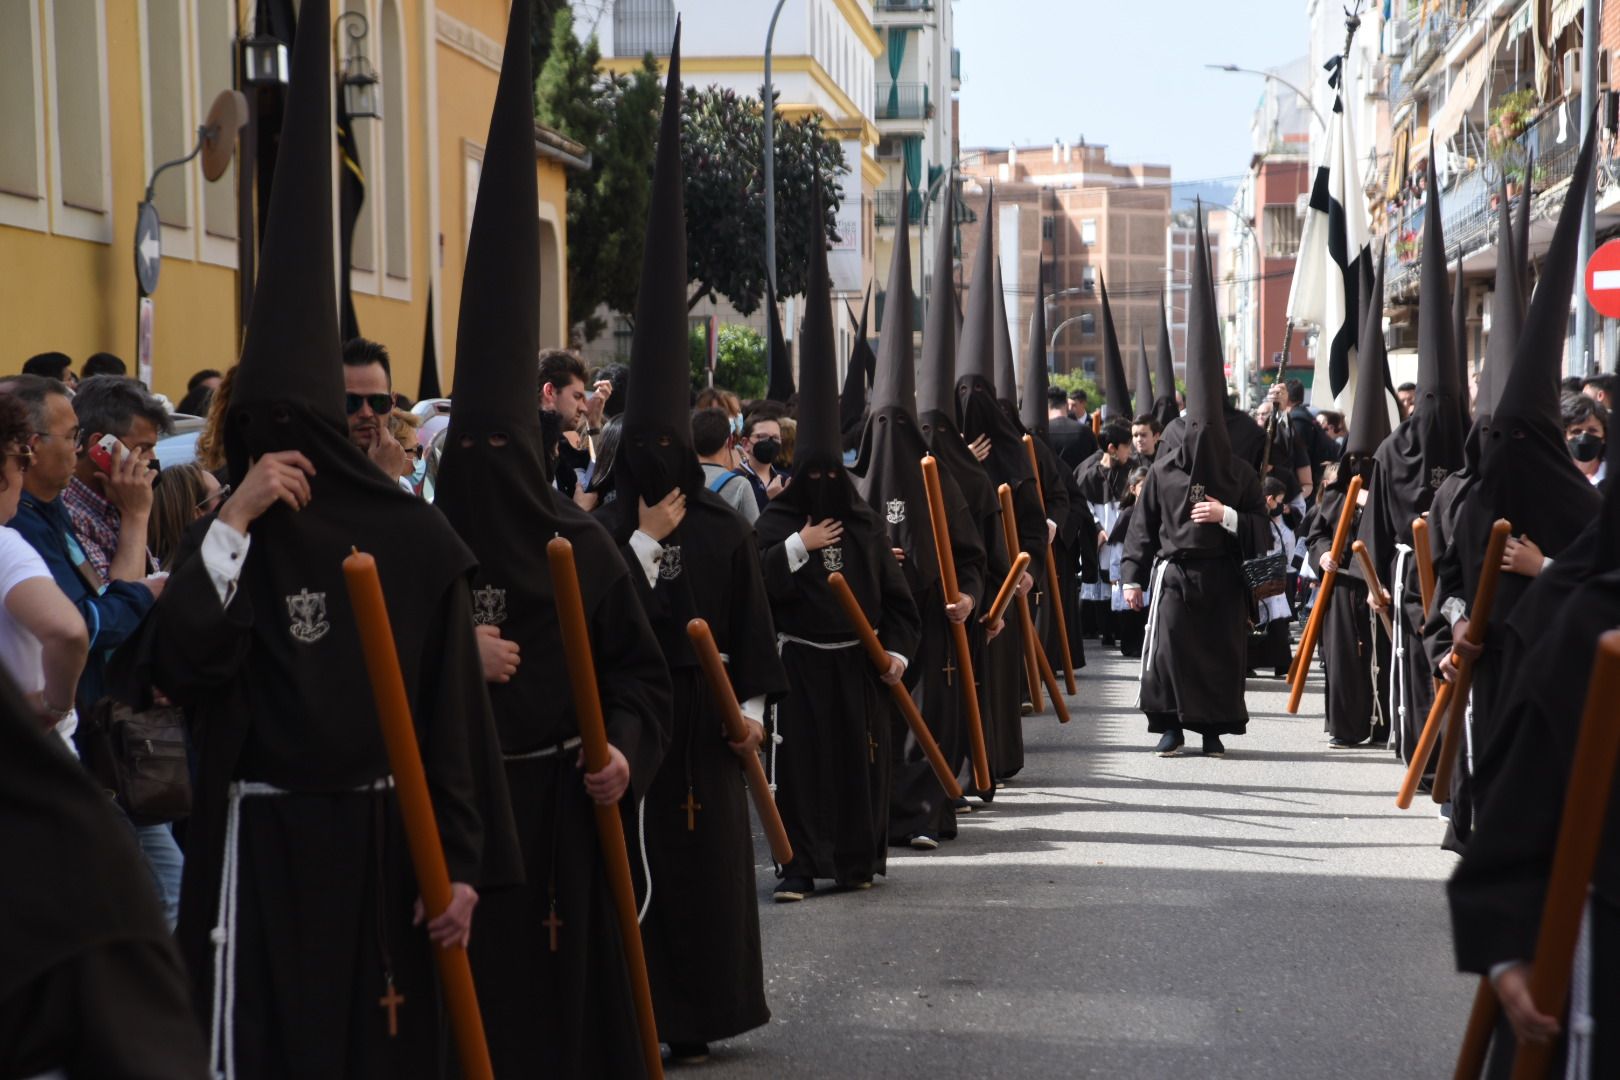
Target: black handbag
{"type": "Point", "coordinates": [1266, 575]}
{"type": "Point", "coordinates": [140, 756]}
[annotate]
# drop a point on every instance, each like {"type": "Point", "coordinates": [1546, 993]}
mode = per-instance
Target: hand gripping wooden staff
{"type": "Point", "coordinates": [1479, 617]}
{"type": "Point", "coordinates": [416, 807]}
{"type": "Point", "coordinates": [1580, 833]}
{"type": "Point", "coordinates": [1313, 628]}
{"type": "Point", "coordinates": [1374, 586]}
{"type": "Point", "coordinates": [1052, 579]}
{"type": "Point", "coordinates": [902, 697]}
{"type": "Point", "coordinates": [725, 699]}
{"type": "Point", "coordinates": [1425, 562]}
{"type": "Point", "coordinates": [609, 828]}
{"type": "Point", "coordinates": [1040, 668]}
{"type": "Point", "coordinates": [964, 652]}
{"type": "Point", "coordinates": [1484, 597]}
{"type": "Point", "coordinates": [998, 607]}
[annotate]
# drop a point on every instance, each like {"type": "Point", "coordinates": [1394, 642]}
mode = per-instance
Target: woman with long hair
{"type": "Point", "coordinates": [183, 494]}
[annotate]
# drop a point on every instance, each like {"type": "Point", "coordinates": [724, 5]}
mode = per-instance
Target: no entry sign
{"type": "Point", "coordinates": [1603, 280]}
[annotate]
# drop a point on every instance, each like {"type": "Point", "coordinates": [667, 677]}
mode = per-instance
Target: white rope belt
{"type": "Point", "coordinates": [1155, 587]}
{"type": "Point", "coordinates": [1397, 650]}
{"type": "Point", "coordinates": [824, 646]}
{"type": "Point", "coordinates": [544, 752]}
{"type": "Point", "coordinates": [222, 1037]}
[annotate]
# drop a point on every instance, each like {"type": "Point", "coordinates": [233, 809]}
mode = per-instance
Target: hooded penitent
{"type": "Point", "coordinates": [1164, 404]}
{"type": "Point", "coordinates": [1032, 406]}
{"type": "Point", "coordinates": [781, 384]}
{"type": "Point", "coordinates": [1428, 445]}
{"type": "Point", "coordinates": [1526, 472]}
{"type": "Point", "coordinates": [936, 391]}
{"type": "Point", "coordinates": [1459, 339]}
{"type": "Point", "coordinates": [288, 395]}
{"type": "Point", "coordinates": [492, 484]}
{"type": "Point", "coordinates": [978, 413]}
{"type": "Point", "coordinates": [892, 446]}
{"type": "Point", "coordinates": [1116, 394]}
{"type": "Point", "coordinates": [1144, 377]}
{"type": "Point", "coordinates": [1006, 368]}
{"type": "Point", "coordinates": [1521, 229]}
{"type": "Point", "coordinates": [1205, 452]}
{"type": "Point", "coordinates": [1369, 422]}
{"type": "Point", "coordinates": [656, 454]}
{"type": "Point", "coordinates": [858, 376]}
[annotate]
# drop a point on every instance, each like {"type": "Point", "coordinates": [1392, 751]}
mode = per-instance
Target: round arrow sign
{"type": "Point", "coordinates": [1603, 279]}
{"type": "Point", "coordinates": [148, 248]}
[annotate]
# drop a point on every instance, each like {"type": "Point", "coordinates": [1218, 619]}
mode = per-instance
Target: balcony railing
{"type": "Point", "coordinates": [903, 101]}
{"type": "Point", "coordinates": [902, 6]}
{"type": "Point", "coordinates": [1470, 207]}
{"type": "Point", "coordinates": [886, 209]}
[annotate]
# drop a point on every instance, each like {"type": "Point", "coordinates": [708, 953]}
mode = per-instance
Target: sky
{"type": "Point", "coordinates": [1036, 70]}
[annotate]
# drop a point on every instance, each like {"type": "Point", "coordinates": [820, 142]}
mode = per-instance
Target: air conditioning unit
{"type": "Point", "coordinates": [1572, 72]}
{"type": "Point", "coordinates": [1398, 37]}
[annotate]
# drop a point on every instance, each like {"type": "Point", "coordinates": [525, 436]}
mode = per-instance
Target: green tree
{"type": "Point", "coordinates": [722, 151]}
{"type": "Point", "coordinates": [740, 364]}
{"type": "Point", "coordinates": [1071, 381]}
{"type": "Point", "coordinates": [542, 17]}
{"type": "Point", "coordinates": [616, 119]}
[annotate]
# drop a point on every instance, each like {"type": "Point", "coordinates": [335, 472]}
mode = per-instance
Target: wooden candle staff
{"type": "Point", "coordinates": [1037, 667]}
{"type": "Point", "coordinates": [959, 639]}
{"type": "Point", "coordinates": [902, 697]}
{"type": "Point", "coordinates": [1425, 562]}
{"type": "Point", "coordinates": [1313, 628]}
{"type": "Point", "coordinates": [1479, 619]}
{"type": "Point", "coordinates": [415, 805]}
{"type": "Point", "coordinates": [1484, 597]}
{"type": "Point", "coordinates": [1374, 586]}
{"type": "Point", "coordinates": [1008, 590]}
{"type": "Point", "coordinates": [1580, 833]}
{"type": "Point", "coordinates": [1053, 579]}
{"type": "Point", "coordinates": [609, 828]}
{"type": "Point", "coordinates": [725, 697]}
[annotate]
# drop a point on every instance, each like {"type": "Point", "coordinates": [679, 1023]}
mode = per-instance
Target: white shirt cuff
{"type": "Point", "coordinates": [648, 552]}
{"type": "Point", "coordinates": [1229, 520]}
{"type": "Point", "coordinates": [754, 708]}
{"type": "Point", "coordinates": [1497, 970]}
{"type": "Point", "coordinates": [1453, 609]}
{"type": "Point", "coordinates": [797, 553]}
{"type": "Point", "coordinates": [223, 552]}
{"type": "Point", "coordinates": [1546, 562]}
{"type": "Point", "coordinates": [903, 661]}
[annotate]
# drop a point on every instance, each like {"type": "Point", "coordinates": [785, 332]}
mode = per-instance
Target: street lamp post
{"type": "Point", "coordinates": [1273, 77]}
{"type": "Point", "coordinates": [770, 154]}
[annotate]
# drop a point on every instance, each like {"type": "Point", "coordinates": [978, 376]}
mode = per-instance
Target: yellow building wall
{"type": "Point", "coordinates": [79, 297]}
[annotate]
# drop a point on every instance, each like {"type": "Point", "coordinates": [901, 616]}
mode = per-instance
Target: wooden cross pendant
{"type": "Point", "coordinates": [392, 1001]}
{"type": "Point", "coordinates": [691, 806]}
{"type": "Point", "coordinates": [551, 923]}
{"type": "Point", "coordinates": [950, 670]}
{"type": "Point", "coordinates": [871, 749]}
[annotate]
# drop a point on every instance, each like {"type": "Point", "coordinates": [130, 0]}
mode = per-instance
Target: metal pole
{"type": "Point", "coordinates": [1581, 359]}
{"type": "Point", "coordinates": [770, 154]}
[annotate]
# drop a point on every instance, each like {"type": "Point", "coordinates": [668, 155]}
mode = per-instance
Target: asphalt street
{"type": "Point", "coordinates": [1114, 914]}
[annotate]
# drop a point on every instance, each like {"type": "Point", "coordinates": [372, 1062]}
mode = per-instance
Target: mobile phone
{"type": "Point", "coordinates": [102, 452]}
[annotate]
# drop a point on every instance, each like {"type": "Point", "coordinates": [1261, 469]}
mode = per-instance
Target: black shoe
{"type": "Point", "coordinates": [793, 888]}
{"type": "Point", "coordinates": [962, 806]}
{"type": "Point", "coordinates": [1170, 743]}
{"type": "Point", "coordinates": [688, 1053]}
{"type": "Point", "coordinates": [1337, 743]}
{"type": "Point", "coordinates": [1280, 673]}
{"type": "Point", "coordinates": [1213, 747]}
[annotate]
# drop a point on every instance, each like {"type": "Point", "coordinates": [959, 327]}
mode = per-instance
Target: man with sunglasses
{"type": "Point", "coordinates": [368, 400]}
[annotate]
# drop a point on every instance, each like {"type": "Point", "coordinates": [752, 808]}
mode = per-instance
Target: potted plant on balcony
{"type": "Point", "coordinates": [1509, 120]}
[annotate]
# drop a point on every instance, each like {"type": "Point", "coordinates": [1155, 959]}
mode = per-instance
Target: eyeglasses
{"type": "Point", "coordinates": [23, 453]}
{"type": "Point", "coordinates": [381, 404]}
{"type": "Point", "coordinates": [216, 499]}
{"type": "Point", "coordinates": [72, 435]}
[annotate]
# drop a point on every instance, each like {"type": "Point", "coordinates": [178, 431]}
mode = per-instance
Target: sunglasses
{"type": "Point", "coordinates": [216, 499]}
{"type": "Point", "coordinates": [381, 404]}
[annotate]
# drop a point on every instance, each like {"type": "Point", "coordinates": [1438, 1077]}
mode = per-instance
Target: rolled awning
{"type": "Point", "coordinates": [1466, 87]}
